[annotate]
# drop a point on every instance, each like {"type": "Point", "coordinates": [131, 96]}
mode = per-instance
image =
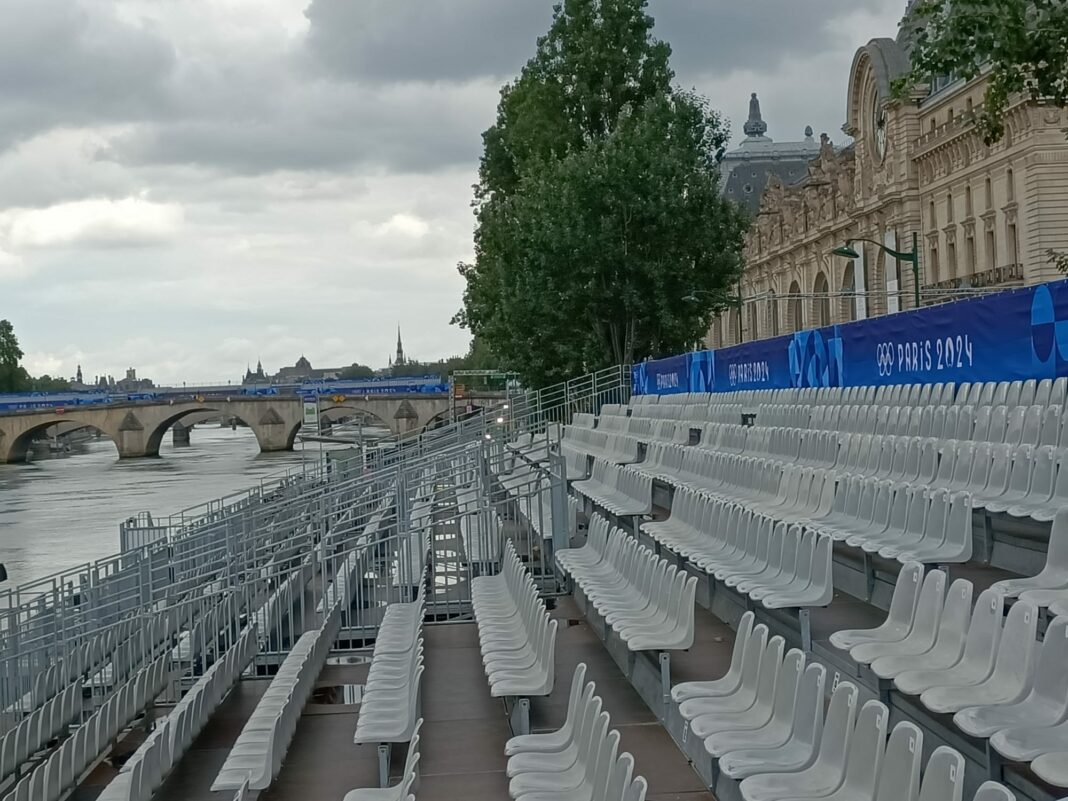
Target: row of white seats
{"type": "Point", "coordinates": [523, 479]}
{"type": "Point", "coordinates": [898, 521]}
{"type": "Point", "coordinates": [1034, 424]}
{"type": "Point", "coordinates": [613, 447]}
{"type": "Point", "coordinates": [122, 645]}
{"type": "Point", "coordinates": [580, 761]}
{"type": "Point", "coordinates": [1031, 425]}
{"type": "Point", "coordinates": [764, 724]}
{"type": "Point", "coordinates": [515, 633]}
{"type": "Point", "coordinates": [270, 615]}
{"type": "Point", "coordinates": [339, 591]}
{"type": "Point", "coordinates": [694, 413]}
{"type": "Point", "coordinates": [123, 649]}
{"type": "Point", "coordinates": [39, 727]}
{"type": "Point", "coordinates": [402, 791]}
{"type": "Point", "coordinates": [144, 772]}
{"type": "Point", "coordinates": [1050, 586]}
{"type": "Point", "coordinates": [777, 565]}
{"type": "Point", "coordinates": [1046, 391]}
{"type": "Point", "coordinates": [481, 532]}
{"type": "Point", "coordinates": [52, 779]}
{"type": "Point", "coordinates": [257, 754]}
{"type": "Point", "coordinates": [904, 521]}
{"type": "Point", "coordinates": [617, 488]}
{"type": "Point", "coordinates": [646, 601]}
{"type": "Point", "coordinates": [538, 510]}
{"type": "Point", "coordinates": [976, 663]}
{"type": "Point", "coordinates": [646, 429]}
{"type": "Point", "coordinates": [389, 710]}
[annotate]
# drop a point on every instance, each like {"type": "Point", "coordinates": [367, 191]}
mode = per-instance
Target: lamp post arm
{"type": "Point", "coordinates": [893, 253]}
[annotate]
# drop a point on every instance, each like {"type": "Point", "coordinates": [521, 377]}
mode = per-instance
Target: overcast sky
{"type": "Point", "coordinates": [189, 185]}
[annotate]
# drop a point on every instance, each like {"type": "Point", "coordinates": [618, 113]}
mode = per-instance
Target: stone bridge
{"type": "Point", "coordinates": [137, 429]}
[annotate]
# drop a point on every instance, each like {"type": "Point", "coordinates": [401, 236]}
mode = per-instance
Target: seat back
{"type": "Point", "coordinates": [866, 747]}
{"type": "Point", "coordinates": [899, 775]}
{"type": "Point", "coordinates": [992, 791]}
{"type": "Point", "coordinates": [837, 730]}
{"type": "Point", "coordinates": [943, 779]}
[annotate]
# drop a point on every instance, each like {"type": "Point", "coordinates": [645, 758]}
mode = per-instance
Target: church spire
{"type": "Point", "coordinates": [400, 349]}
{"type": "Point", "coordinates": [755, 126]}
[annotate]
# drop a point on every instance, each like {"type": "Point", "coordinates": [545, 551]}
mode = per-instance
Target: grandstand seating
{"type": "Point", "coordinates": [978, 664]}
{"type": "Point", "coordinates": [621, 491]}
{"type": "Point", "coordinates": [149, 765]}
{"type": "Point", "coordinates": [517, 638]}
{"type": "Point", "coordinates": [646, 601]}
{"type": "Point", "coordinates": [389, 713]}
{"type": "Point", "coordinates": [402, 790]}
{"type": "Point", "coordinates": [763, 724]}
{"type": "Point", "coordinates": [256, 756]}
{"type": "Point", "coordinates": [579, 761]}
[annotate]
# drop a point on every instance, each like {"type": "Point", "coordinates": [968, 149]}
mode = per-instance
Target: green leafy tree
{"type": "Point", "coordinates": [48, 384]}
{"type": "Point", "coordinates": [12, 377]}
{"type": "Point", "coordinates": [602, 236]}
{"type": "Point", "coordinates": [1022, 44]}
{"type": "Point", "coordinates": [356, 372]}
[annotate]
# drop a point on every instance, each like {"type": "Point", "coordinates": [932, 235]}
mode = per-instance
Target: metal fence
{"type": "Point", "coordinates": [357, 529]}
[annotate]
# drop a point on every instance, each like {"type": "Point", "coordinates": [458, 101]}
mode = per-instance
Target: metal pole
{"type": "Point", "coordinates": [739, 312]}
{"type": "Point", "coordinates": [916, 268]}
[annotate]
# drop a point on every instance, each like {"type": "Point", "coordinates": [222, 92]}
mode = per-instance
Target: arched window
{"type": "Point", "coordinates": [773, 314]}
{"type": "Point", "coordinates": [1010, 185]}
{"type": "Point", "coordinates": [821, 306]}
{"type": "Point", "coordinates": [848, 305]}
{"type": "Point", "coordinates": [949, 207]}
{"type": "Point", "coordinates": [988, 192]}
{"type": "Point", "coordinates": [969, 210]}
{"type": "Point", "coordinates": [752, 321]}
{"type": "Point", "coordinates": [733, 335]}
{"type": "Point", "coordinates": [794, 314]}
{"type": "Point", "coordinates": [933, 216]}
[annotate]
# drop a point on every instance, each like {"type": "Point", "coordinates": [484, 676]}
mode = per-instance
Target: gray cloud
{"type": "Point", "coordinates": [425, 40]}
{"type": "Point", "coordinates": [322, 125]}
{"type": "Point", "coordinates": [718, 36]}
{"type": "Point", "coordinates": [63, 63]}
{"type": "Point", "coordinates": [436, 40]}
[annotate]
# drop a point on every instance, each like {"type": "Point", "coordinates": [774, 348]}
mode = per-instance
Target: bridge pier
{"type": "Point", "coordinates": [180, 434]}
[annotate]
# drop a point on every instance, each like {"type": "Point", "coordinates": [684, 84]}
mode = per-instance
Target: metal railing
{"type": "Point", "coordinates": [353, 530]}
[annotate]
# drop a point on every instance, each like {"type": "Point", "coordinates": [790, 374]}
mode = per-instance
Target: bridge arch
{"type": "Point", "coordinates": [155, 437]}
{"type": "Point", "coordinates": [17, 449]}
{"type": "Point", "coordinates": [335, 413]}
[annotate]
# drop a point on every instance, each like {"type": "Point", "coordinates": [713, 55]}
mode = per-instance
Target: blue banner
{"type": "Point", "coordinates": [764, 364]}
{"type": "Point", "coordinates": [664, 376]}
{"type": "Point", "coordinates": [1009, 336]}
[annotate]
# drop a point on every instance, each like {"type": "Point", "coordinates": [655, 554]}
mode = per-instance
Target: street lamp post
{"type": "Point", "coordinates": [846, 251]}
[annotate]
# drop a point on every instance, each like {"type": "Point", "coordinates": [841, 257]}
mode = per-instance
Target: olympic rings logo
{"type": "Point", "coordinates": [884, 357]}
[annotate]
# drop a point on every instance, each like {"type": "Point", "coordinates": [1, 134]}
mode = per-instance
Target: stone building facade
{"type": "Point", "coordinates": [917, 170]}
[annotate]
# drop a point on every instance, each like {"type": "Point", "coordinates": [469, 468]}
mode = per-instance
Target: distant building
{"type": "Point", "coordinates": [258, 377]}
{"type": "Point", "coordinates": [303, 371]}
{"type": "Point", "coordinates": [748, 168]}
{"type": "Point", "coordinates": [400, 360]}
{"type": "Point", "coordinates": [131, 383]}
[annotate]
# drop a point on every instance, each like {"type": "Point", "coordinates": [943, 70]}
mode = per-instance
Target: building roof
{"type": "Point", "coordinates": [747, 169]}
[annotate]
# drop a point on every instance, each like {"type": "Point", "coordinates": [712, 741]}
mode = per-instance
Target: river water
{"type": "Point", "coordinates": [62, 512]}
